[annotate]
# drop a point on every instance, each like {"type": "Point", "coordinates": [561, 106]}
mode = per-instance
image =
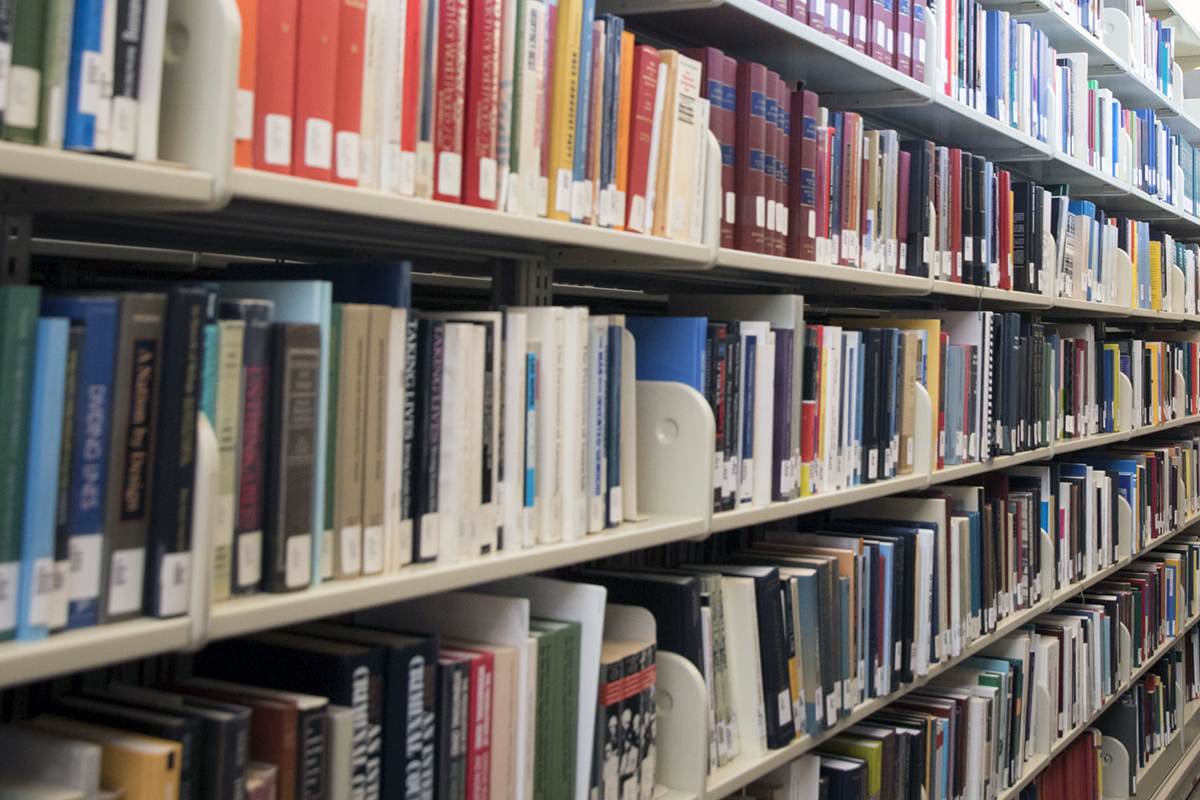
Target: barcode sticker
{"type": "Point", "coordinates": [249, 558]}
{"type": "Point", "coordinates": [770, 220]}
{"type": "Point", "coordinates": [351, 549]}
{"type": "Point", "coordinates": [8, 594]}
{"type": "Point", "coordinates": [860, 30]}
{"type": "Point", "coordinates": [372, 557]}
{"type": "Point", "coordinates": [124, 126]}
{"type": "Point", "coordinates": [679, 212]}
{"type": "Point", "coordinates": [619, 209]}
{"type": "Point", "coordinates": [85, 554]}
{"type": "Point", "coordinates": [730, 208]}
{"type": "Point", "coordinates": [487, 179]}
{"type": "Point", "coordinates": [785, 706]}
{"type": "Point", "coordinates": [174, 584]}
{"type": "Point", "coordinates": [760, 211]}
{"type": "Point", "coordinates": [604, 208]}
{"type": "Point", "coordinates": [449, 174]}
{"type": "Point", "coordinates": [921, 51]}
{"type": "Point", "coordinates": [906, 44]}
{"type": "Point", "coordinates": [891, 41]}
{"type": "Point", "coordinates": [298, 569]}
{"type": "Point", "coordinates": [24, 91]}
{"type": "Point", "coordinates": [880, 32]}
{"type": "Point", "coordinates": [44, 586]}
{"type": "Point", "coordinates": [637, 214]}
{"type": "Point", "coordinates": [125, 580]}
{"type": "Point", "coordinates": [243, 115]}
{"type": "Point", "coordinates": [56, 615]}
{"type": "Point", "coordinates": [581, 199]}
{"type": "Point", "coordinates": [277, 140]}
{"type": "Point", "coordinates": [408, 173]}
{"type": "Point", "coordinates": [91, 80]}
{"type": "Point", "coordinates": [812, 224]}
{"type": "Point", "coordinates": [318, 143]}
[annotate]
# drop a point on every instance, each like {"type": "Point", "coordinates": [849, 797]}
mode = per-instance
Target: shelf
{"type": "Point", "coordinates": [264, 611]}
{"type": "Point", "coordinates": [959, 471]}
{"type": "Point", "coordinates": [947, 120]}
{"type": "Point", "coordinates": [1003, 298]}
{"type": "Point", "coordinates": [87, 648]}
{"type": "Point", "coordinates": [818, 277]}
{"type": "Point", "coordinates": [752, 30]}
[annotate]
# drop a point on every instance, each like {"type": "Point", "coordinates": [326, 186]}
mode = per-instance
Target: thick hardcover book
{"type": "Point", "coordinates": [351, 442]}
{"type": "Point", "coordinates": [721, 122]}
{"type": "Point", "coordinates": [749, 175]}
{"type": "Point", "coordinates": [782, 479]}
{"type": "Point", "coordinates": [450, 94]}
{"type": "Point", "coordinates": [136, 381]}
{"type": "Point", "coordinates": [453, 698]}
{"type": "Point", "coordinates": [903, 56]}
{"type": "Point", "coordinates": [348, 97]}
{"type": "Point", "coordinates": [252, 453]}
{"type": "Point", "coordinates": [275, 88]}
{"type": "Point", "coordinates": [316, 88]}
{"type": "Point", "coordinates": [478, 726]}
{"type": "Point", "coordinates": [920, 11]}
{"type": "Point", "coordinates": [668, 596]}
{"type": "Point", "coordinates": [645, 84]}
{"type": "Point", "coordinates": [921, 221]}
{"type": "Point", "coordinates": [802, 191]}
{"type": "Point", "coordinates": [428, 422]}
{"type": "Point", "coordinates": [290, 461]}
{"type": "Point", "coordinates": [483, 99]}
{"type": "Point", "coordinates": [82, 543]}
{"type": "Point", "coordinates": [168, 560]}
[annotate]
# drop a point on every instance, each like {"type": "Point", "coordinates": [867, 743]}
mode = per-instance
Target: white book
{"type": "Point", "coordinates": [470, 538]}
{"type": "Point", "coordinates": [571, 442]}
{"type": "Point", "coordinates": [596, 416]}
{"type": "Point", "coordinates": [700, 175]}
{"type": "Point", "coordinates": [376, 43]}
{"type": "Point", "coordinates": [389, 110]}
{"type": "Point", "coordinates": [339, 738]}
{"type": "Point", "coordinates": [528, 116]}
{"type": "Point", "coordinates": [547, 326]}
{"type": "Point", "coordinates": [529, 728]}
{"type": "Point", "coordinates": [452, 444]}
{"type": "Point", "coordinates": [27, 754]}
{"type": "Point", "coordinates": [764, 416]}
{"type": "Point", "coordinates": [745, 669]}
{"type": "Point", "coordinates": [831, 469]}
{"type": "Point", "coordinates": [531, 511]}
{"type": "Point", "coordinates": [150, 76]}
{"type": "Point", "coordinates": [512, 488]}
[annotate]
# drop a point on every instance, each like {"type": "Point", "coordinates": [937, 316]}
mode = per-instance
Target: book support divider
{"type": "Point", "coordinates": [681, 761]}
{"type": "Point", "coordinates": [1117, 29]}
{"type": "Point", "coordinates": [675, 436]}
{"type": "Point", "coordinates": [1124, 279]}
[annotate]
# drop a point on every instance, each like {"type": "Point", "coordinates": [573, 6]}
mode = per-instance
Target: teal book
{"type": "Point", "coordinates": [41, 477]}
{"type": "Point", "coordinates": [18, 340]}
{"type": "Point", "coordinates": [208, 380]}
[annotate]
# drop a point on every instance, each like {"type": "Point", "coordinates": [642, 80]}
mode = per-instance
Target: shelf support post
{"type": "Point", "coordinates": [522, 282]}
{"type": "Point", "coordinates": [15, 247]}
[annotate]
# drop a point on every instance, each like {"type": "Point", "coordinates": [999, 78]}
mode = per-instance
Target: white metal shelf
{"type": "Point", "coordinates": [822, 277]}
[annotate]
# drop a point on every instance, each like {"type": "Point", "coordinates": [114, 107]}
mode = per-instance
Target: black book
{"type": "Point", "coordinates": [348, 674]}
{"type": "Point", "coordinates": [291, 456]}
{"type": "Point", "coordinates": [781, 447]}
{"type": "Point", "coordinates": [968, 217]}
{"type": "Point", "coordinates": [410, 418]}
{"type": "Point", "coordinates": [772, 647]}
{"type": "Point", "coordinates": [886, 402]}
{"type": "Point", "coordinates": [172, 727]}
{"type": "Point", "coordinates": [431, 337]}
{"type": "Point", "coordinates": [673, 599]}
{"type": "Point", "coordinates": [409, 710]}
{"type": "Point", "coordinates": [847, 777]}
{"type": "Point", "coordinates": [251, 458]}
{"type": "Point", "coordinates": [62, 522]}
{"type": "Point", "coordinates": [716, 362]}
{"type": "Point", "coordinates": [126, 69]}
{"type": "Point", "coordinates": [224, 734]}
{"type": "Point", "coordinates": [1022, 223]}
{"type": "Point", "coordinates": [450, 754]}
{"type": "Point", "coordinates": [920, 194]}
{"type": "Point", "coordinates": [733, 367]}
{"type": "Point", "coordinates": [873, 379]}
{"type": "Point", "coordinates": [170, 542]}
{"type": "Point", "coordinates": [980, 225]}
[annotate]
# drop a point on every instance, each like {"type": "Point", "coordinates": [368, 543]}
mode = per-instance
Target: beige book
{"type": "Point", "coordinates": [397, 531]}
{"type": "Point", "coordinates": [531, 657]}
{"type": "Point", "coordinates": [351, 442]}
{"type": "Point", "coordinates": [379, 326]}
{"type": "Point", "coordinates": [506, 697]}
{"type": "Point", "coordinates": [870, 228]}
{"type": "Point", "coordinates": [143, 767]}
{"type": "Point", "coordinates": [228, 426]}
{"type": "Point", "coordinates": [339, 750]}
{"type": "Point", "coordinates": [908, 400]}
{"type": "Point", "coordinates": [677, 155]}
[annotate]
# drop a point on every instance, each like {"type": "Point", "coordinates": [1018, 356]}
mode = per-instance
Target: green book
{"type": "Point", "coordinates": [21, 114]}
{"type": "Point", "coordinates": [335, 363]}
{"type": "Point", "coordinates": [56, 69]}
{"type": "Point", "coordinates": [557, 720]}
{"type": "Point", "coordinates": [18, 337]}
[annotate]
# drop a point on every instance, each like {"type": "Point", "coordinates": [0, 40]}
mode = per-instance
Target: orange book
{"type": "Point", "coordinates": [625, 103]}
{"type": "Point", "coordinates": [243, 153]}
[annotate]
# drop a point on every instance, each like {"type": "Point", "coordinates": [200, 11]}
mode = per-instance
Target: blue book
{"type": "Point", "coordinates": [612, 444]}
{"type": "Point", "coordinates": [583, 108]}
{"type": "Point", "coordinates": [304, 301]}
{"type": "Point", "coordinates": [89, 460]}
{"type": "Point", "coordinates": [613, 28]}
{"type": "Point", "coordinates": [41, 477]}
{"type": "Point", "coordinates": [887, 553]}
{"type": "Point", "coordinates": [808, 589]}
{"type": "Point", "coordinates": [956, 375]}
{"type": "Point", "coordinates": [994, 86]}
{"type": "Point", "coordinates": [835, 184]}
{"type": "Point", "coordinates": [83, 81]}
{"type": "Point", "coordinates": [208, 371]}
{"type": "Point", "coordinates": [387, 283]}
{"type": "Point", "coordinates": [670, 349]}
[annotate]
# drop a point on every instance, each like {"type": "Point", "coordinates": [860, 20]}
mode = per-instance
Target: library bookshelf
{"type": "Point", "coordinates": [194, 202]}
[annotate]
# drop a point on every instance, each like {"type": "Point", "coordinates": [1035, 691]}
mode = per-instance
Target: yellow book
{"type": "Point", "coordinates": [143, 767]}
{"type": "Point", "coordinates": [1156, 287]}
{"type": "Point", "coordinates": [624, 108]}
{"type": "Point", "coordinates": [564, 107]}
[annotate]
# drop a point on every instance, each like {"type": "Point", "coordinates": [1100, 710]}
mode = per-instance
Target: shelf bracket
{"type": "Point", "coordinates": [15, 247]}
{"type": "Point", "coordinates": [522, 282]}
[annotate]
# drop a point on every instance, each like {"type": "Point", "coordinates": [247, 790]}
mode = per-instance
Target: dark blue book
{"type": "Point", "coordinates": [612, 443]}
{"type": "Point", "coordinates": [670, 349]}
{"type": "Point", "coordinates": [89, 467]}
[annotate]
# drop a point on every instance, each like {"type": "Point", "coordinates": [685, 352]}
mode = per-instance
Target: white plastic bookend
{"type": "Point", "coordinates": [713, 201]}
{"type": "Point", "coordinates": [1048, 565]}
{"type": "Point", "coordinates": [1125, 403]}
{"type": "Point", "coordinates": [1124, 528]}
{"type": "Point", "coordinates": [1176, 83]}
{"type": "Point", "coordinates": [1114, 762]}
{"type": "Point", "coordinates": [199, 88]}
{"type": "Point", "coordinates": [1124, 280]}
{"type": "Point", "coordinates": [681, 745]}
{"type": "Point", "coordinates": [675, 436]}
{"type": "Point", "coordinates": [1117, 32]}
{"type": "Point", "coordinates": [1043, 723]}
{"type": "Point", "coordinates": [1180, 393]}
{"type": "Point", "coordinates": [204, 492]}
{"type": "Point", "coordinates": [923, 434]}
{"type": "Point", "coordinates": [1176, 292]}
{"type": "Point", "coordinates": [1049, 264]}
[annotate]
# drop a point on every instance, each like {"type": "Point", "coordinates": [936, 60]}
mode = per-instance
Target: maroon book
{"type": "Point", "coordinates": [860, 34]}
{"type": "Point", "coordinates": [784, 164]}
{"type": "Point", "coordinates": [881, 30]}
{"type": "Point", "coordinates": [750, 226]}
{"type": "Point", "coordinates": [729, 146]}
{"type": "Point", "coordinates": [774, 129]}
{"type": "Point", "coordinates": [902, 178]}
{"type": "Point", "coordinates": [918, 32]}
{"type": "Point", "coordinates": [799, 10]}
{"type": "Point", "coordinates": [802, 178]}
{"type": "Point", "coordinates": [837, 19]}
{"type": "Point", "coordinates": [904, 26]}
{"type": "Point", "coordinates": [713, 87]}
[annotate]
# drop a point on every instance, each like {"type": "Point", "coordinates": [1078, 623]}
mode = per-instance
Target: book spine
{"type": "Point", "coordinates": [316, 88]}
{"type": "Point", "coordinates": [137, 378]}
{"type": "Point", "coordinates": [28, 38]}
{"type": "Point", "coordinates": [564, 104]}
{"type": "Point", "coordinates": [375, 400]}
{"type": "Point", "coordinates": [645, 83]}
{"type": "Point", "coordinates": [83, 84]}
{"type": "Point", "coordinates": [404, 552]}
{"type": "Point", "coordinates": [250, 483]}
{"type": "Point", "coordinates": [351, 442]}
{"type": "Point", "coordinates": [243, 114]}
{"type": "Point", "coordinates": [430, 350]}
{"type": "Point", "coordinates": [918, 33]}
{"type": "Point", "coordinates": [581, 195]}
{"type": "Point", "coordinates": [347, 111]}
{"type": "Point", "coordinates": [615, 502]}
{"type": "Point", "coordinates": [275, 88]}
{"type": "Point", "coordinates": [227, 422]}
{"type": "Point", "coordinates": [483, 103]}
{"type": "Point", "coordinates": [311, 765]}
{"type": "Point", "coordinates": [750, 178]}
{"type": "Point", "coordinates": [781, 456]}
{"type": "Point", "coordinates": [625, 80]}
{"type": "Point", "coordinates": [169, 558]}
{"type": "Point", "coordinates": [56, 614]}
{"type": "Point", "coordinates": [126, 59]}
{"type": "Point", "coordinates": [448, 123]}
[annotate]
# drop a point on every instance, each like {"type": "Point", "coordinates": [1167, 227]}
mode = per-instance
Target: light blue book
{"type": "Point", "coordinates": [583, 113]}
{"type": "Point", "coordinates": [307, 301]}
{"type": "Point", "coordinates": [208, 380]}
{"type": "Point", "coordinates": [41, 477]}
{"type": "Point", "coordinates": [887, 553]}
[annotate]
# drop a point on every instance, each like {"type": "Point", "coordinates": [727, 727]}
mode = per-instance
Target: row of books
{"type": "Point", "coordinates": [543, 695]}
{"type": "Point", "coordinates": [71, 77]}
{"type": "Point", "coordinates": [353, 438]}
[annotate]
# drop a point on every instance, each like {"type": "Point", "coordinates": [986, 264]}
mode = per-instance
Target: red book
{"type": "Point", "coordinates": [347, 113]}
{"type": "Point", "coordinates": [920, 13]}
{"type": "Point", "coordinates": [851, 178]}
{"type": "Point", "coordinates": [450, 98]}
{"type": "Point", "coordinates": [410, 98]}
{"type": "Point", "coordinates": [775, 178]}
{"type": "Point", "coordinates": [783, 202]}
{"type": "Point", "coordinates": [902, 187]}
{"type": "Point", "coordinates": [879, 30]}
{"type": "Point", "coordinates": [769, 176]}
{"type": "Point", "coordinates": [275, 87]}
{"type": "Point", "coordinates": [903, 26]}
{"type": "Point", "coordinates": [798, 10]}
{"type": "Point", "coordinates": [479, 720]}
{"type": "Point", "coordinates": [720, 121]}
{"type": "Point", "coordinates": [802, 177]}
{"type": "Point", "coordinates": [645, 81]}
{"type": "Point", "coordinates": [956, 242]}
{"type": "Point", "coordinates": [316, 68]}
{"type": "Point", "coordinates": [821, 197]}
{"type": "Point", "coordinates": [483, 104]}
{"type": "Point", "coordinates": [1006, 230]}
{"type": "Point", "coordinates": [751, 135]}
{"type": "Point", "coordinates": [860, 16]}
